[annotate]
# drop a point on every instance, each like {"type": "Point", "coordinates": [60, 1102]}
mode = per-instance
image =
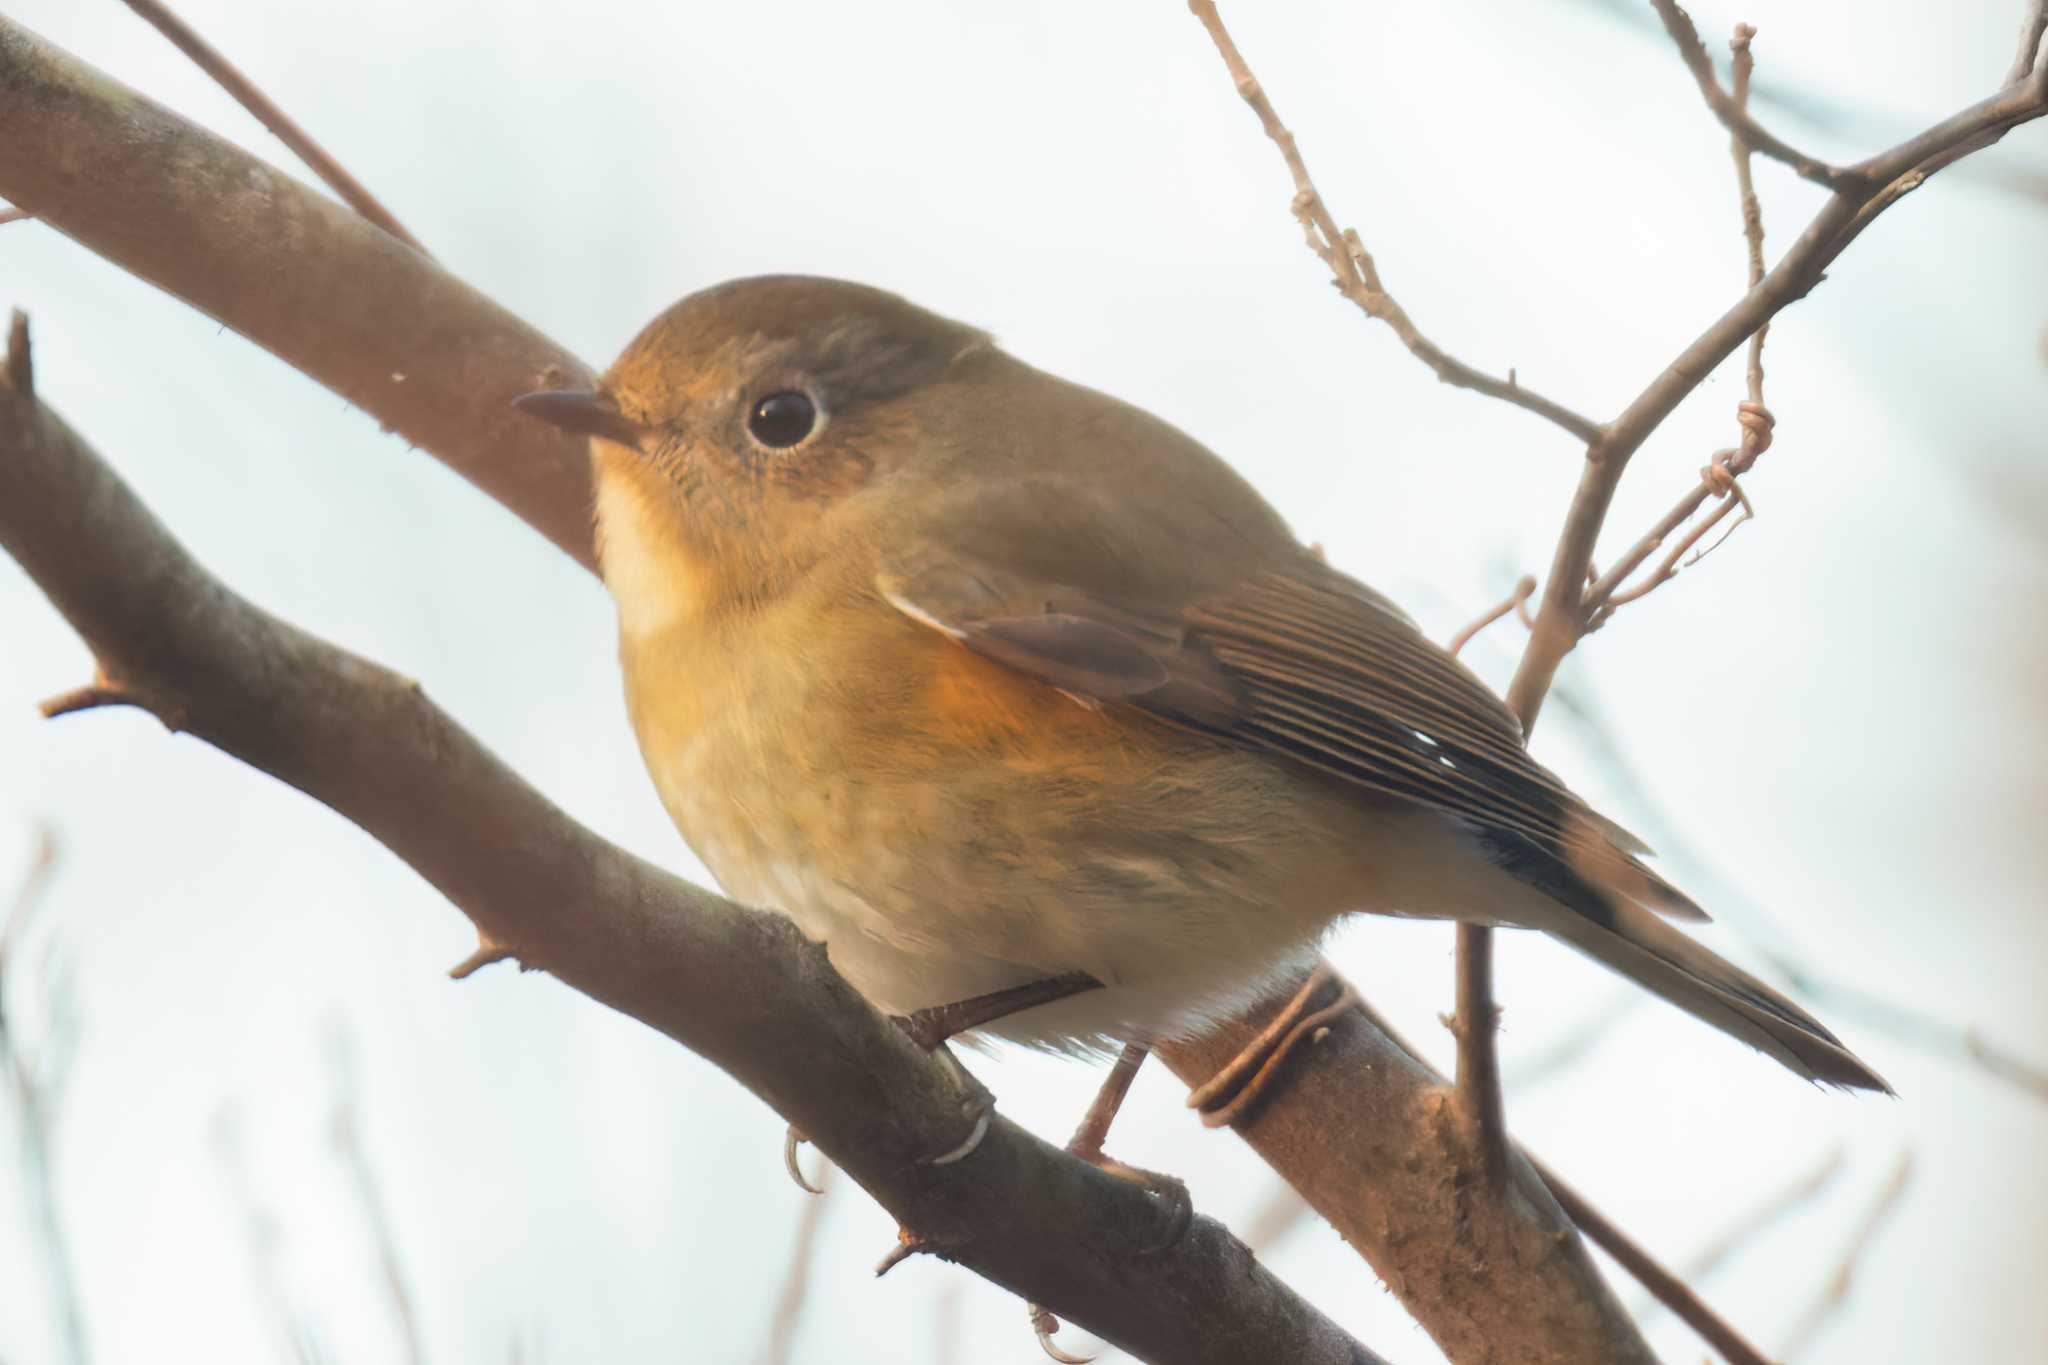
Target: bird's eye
{"type": "Point", "coordinates": [783, 419]}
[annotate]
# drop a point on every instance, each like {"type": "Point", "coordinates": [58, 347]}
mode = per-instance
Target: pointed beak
{"type": "Point", "coordinates": [585, 412]}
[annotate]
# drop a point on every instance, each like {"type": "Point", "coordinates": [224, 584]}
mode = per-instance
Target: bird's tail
{"type": "Point", "coordinates": [1651, 952]}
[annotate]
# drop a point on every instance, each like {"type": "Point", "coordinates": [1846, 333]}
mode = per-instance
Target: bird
{"type": "Point", "coordinates": [1037, 715]}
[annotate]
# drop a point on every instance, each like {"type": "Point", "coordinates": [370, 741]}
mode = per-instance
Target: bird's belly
{"type": "Point", "coordinates": [966, 832]}
{"type": "Point", "coordinates": [977, 873]}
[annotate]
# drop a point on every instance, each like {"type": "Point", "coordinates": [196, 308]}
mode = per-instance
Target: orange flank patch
{"type": "Point", "coordinates": [975, 701]}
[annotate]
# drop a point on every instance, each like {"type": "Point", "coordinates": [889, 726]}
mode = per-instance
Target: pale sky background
{"type": "Point", "coordinates": [1840, 711]}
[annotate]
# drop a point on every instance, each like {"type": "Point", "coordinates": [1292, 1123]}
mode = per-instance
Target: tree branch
{"type": "Point", "coordinates": [1735, 117]}
{"type": "Point", "coordinates": [1371, 1136]}
{"type": "Point", "coordinates": [742, 988]}
{"type": "Point", "coordinates": [1882, 180]}
{"type": "Point", "coordinates": [245, 93]}
{"type": "Point", "coordinates": [296, 273]}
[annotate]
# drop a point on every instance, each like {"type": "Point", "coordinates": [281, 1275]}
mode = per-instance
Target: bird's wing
{"type": "Point", "coordinates": [1298, 660]}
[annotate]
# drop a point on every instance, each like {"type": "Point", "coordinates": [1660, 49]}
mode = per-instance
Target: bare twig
{"type": "Point", "coordinates": [244, 92]}
{"type": "Point", "coordinates": [789, 1307]}
{"type": "Point", "coordinates": [339, 299]}
{"type": "Point", "coordinates": [1747, 1226]}
{"type": "Point", "coordinates": [2032, 26]}
{"type": "Point", "coordinates": [1880, 181]}
{"type": "Point", "coordinates": [347, 1134]}
{"type": "Point", "coordinates": [1719, 478]}
{"type": "Point", "coordinates": [1666, 1287]}
{"type": "Point", "coordinates": [1559, 1054]}
{"type": "Point", "coordinates": [1516, 602]}
{"type": "Point", "coordinates": [263, 1241]}
{"type": "Point", "coordinates": [743, 988]}
{"type": "Point", "coordinates": [1734, 113]}
{"type": "Point", "coordinates": [1835, 1292]}
{"type": "Point", "coordinates": [33, 1083]}
{"type": "Point", "coordinates": [1351, 267]}
{"type": "Point", "coordinates": [86, 697]}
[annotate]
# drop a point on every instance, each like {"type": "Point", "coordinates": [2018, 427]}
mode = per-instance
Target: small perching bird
{"type": "Point", "coordinates": [1036, 714]}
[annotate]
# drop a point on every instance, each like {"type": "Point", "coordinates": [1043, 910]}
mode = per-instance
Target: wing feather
{"type": "Point", "coordinates": [1299, 661]}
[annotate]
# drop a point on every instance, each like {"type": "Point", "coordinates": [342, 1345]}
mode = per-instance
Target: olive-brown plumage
{"type": "Point", "coordinates": [984, 678]}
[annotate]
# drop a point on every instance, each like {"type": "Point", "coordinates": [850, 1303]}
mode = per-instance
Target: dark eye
{"type": "Point", "coordinates": [783, 419]}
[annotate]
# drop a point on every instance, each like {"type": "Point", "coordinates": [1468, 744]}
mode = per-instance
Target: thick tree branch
{"type": "Point", "coordinates": [298, 274]}
{"type": "Point", "coordinates": [743, 988]}
{"type": "Point", "coordinates": [265, 111]}
{"type": "Point", "coordinates": [1373, 1138]}
{"type": "Point", "coordinates": [1324, 1137]}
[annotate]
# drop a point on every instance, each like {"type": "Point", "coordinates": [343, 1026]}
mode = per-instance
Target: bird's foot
{"type": "Point", "coordinates": [1176, 1205]}
{"type": "Point", "coordinates": [1243, 1082]}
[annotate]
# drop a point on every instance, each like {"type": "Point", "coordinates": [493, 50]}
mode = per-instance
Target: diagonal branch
{"type": "Point", "coordinates": [742, 988]}
{"type": "Point", "coordinates": [245, 93]}
{"type": "Point", "coordinates": [298, 274]}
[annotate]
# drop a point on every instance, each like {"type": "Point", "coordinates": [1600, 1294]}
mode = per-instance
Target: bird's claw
{"type": "Point", "coordinates": [793, 1139]}
{"type": "Point", "coordinates": [1044, 1325]}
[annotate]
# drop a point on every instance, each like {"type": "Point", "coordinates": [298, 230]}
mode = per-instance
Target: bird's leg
{"type": "Point", "coordinates": [1094, 1131]}
{"type": "Point", "coordinates": [929, 1028]}
{"type": "Point", "coordinates": [1087, 1144]}
{"type": "Point", "coordinates": [1225, 1097]}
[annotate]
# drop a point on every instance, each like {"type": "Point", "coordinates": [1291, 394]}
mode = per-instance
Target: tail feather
{"type": "Point", "coordinates": [1593, 898]}
{"type": "Point", "coordinates": [1645, 949]}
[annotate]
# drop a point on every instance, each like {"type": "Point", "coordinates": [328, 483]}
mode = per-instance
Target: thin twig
{"type": "Point", "coordinates": [1747, 1226]}
{"type": "Point", "coordinates": [33, 1083]}
{"type": "Point", "coordinates": [1516, 601]}
{"type": "Point", "coordinates": [1666, 1287]}
{"type": "Point", "coordinates": [266, 112]}
{"type": "Point", "coordinates": [89, 697]}
{"type": "Point", "coordinates": [347, 1135]}
{"type": "Point", "coordinates": [1835, 1292]}
{"type": "Point", "coordinates": [263, 1241]}
{"type": "Point", "coordinates": [1881, 181]}
{"type": "Point", "coordinates": [1733, 113]}
{"type": "Point", "coordinates": [2032, 26]}
{"type": "Point", "coordinates": [1719, 478]}
{"type": "Point", "coordinates": [1351, 266]}
{"type": "Point", "coordinates": [1564, 1050]}
{"type": "Point", "coordinates": [789, 1307]}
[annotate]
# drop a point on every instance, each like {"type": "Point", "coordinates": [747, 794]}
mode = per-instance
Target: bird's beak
{"type": "Point", "coordinates": [586, 412]}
